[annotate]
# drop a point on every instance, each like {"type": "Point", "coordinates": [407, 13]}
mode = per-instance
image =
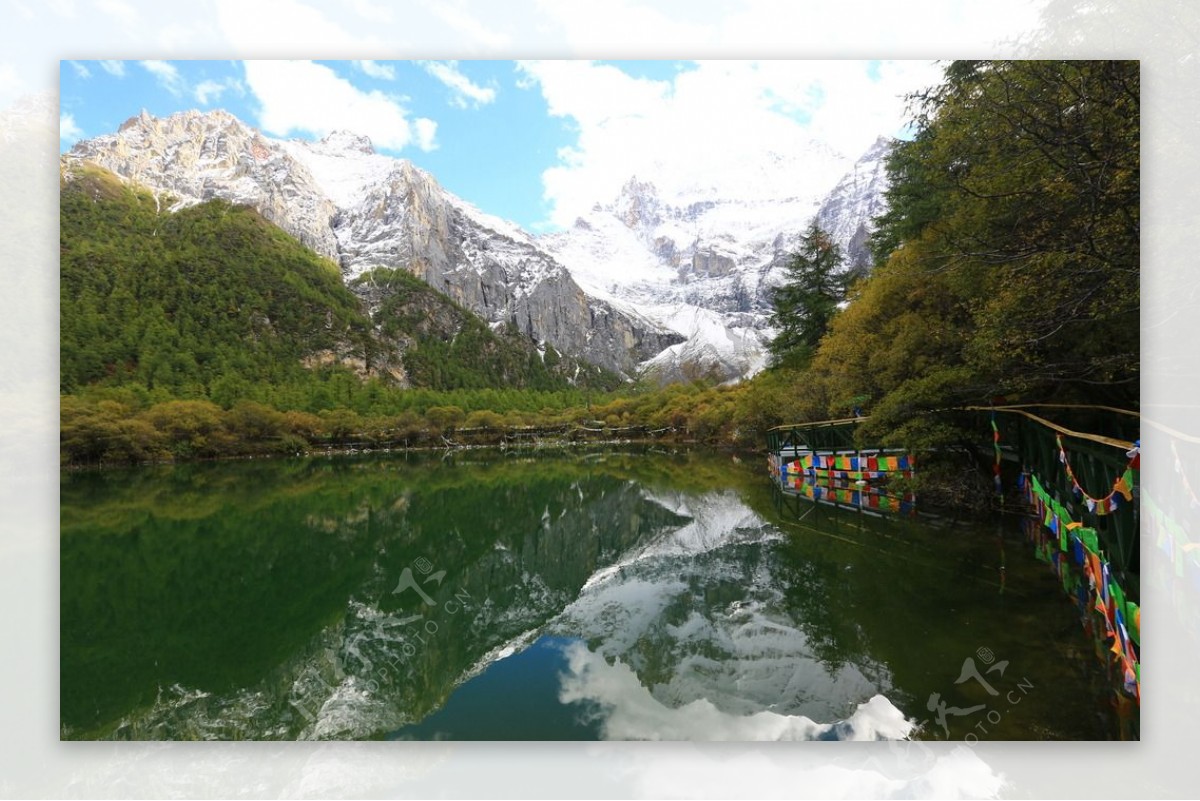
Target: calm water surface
{"type": "Point", "coordinates": [546, 596]}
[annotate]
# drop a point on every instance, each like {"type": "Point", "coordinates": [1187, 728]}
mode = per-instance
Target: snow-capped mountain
{"type": "Point", "coordinates": [705, 268]}
{"type": "Point", "coordinates": [195, 157]}
{"type": "Point", "coordinates": [676, 285]}
{"type": "Point", "coordinates": [366, 210]}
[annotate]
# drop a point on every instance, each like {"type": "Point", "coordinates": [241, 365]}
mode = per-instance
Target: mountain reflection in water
{"type": "Point", "coordinates": [613, 594]}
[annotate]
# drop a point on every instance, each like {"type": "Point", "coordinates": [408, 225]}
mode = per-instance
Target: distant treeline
{"type": "Point", "coordinates": [123, 425]}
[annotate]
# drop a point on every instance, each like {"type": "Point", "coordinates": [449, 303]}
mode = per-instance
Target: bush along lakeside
{"type": "Point", "coordinates": [111, 427]}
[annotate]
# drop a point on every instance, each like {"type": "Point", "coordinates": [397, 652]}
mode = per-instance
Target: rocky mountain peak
{"type": "Point", "coordinates": [635, 187]}
{"type": "Point", "coordinates": [701, 258]}
{"type": "Point", "coordinates": [195, 156]}
{"type": "Point", "coordinates": [182, 124]}
{"type": "Point", "coordinates": [879, 149]}
{"type": "Point", "coordinates": [344, 140]}
{"type": "Point", "coordinates": [142, 120]}
{"type": "Point", "coordinates": [847, 212]}
{"type": "Point", "coordinates": [638, 204]}
{"type": "Point", "coordinates": [153, 145]}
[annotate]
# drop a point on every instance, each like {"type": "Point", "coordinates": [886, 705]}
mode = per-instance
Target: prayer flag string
{"type": "Point", "coordinates": [1077, 543]}
{"type": "Point", "coordinates": [1123, 486]}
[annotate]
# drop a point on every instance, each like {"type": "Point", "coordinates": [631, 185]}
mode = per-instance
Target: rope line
{"type": "Point", "coordinates": [1113, 409]}
{"type": "Point", "coordinates": [1110, 441]}
{"type": "Point", "coordinates": [1015, 409]}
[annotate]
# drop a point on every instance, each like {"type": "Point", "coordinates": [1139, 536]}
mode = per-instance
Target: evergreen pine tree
{"type": "Point", "coordinates": [808, 298]}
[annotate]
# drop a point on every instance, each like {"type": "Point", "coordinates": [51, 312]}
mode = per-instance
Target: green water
{"type": "Point", "coordinates": [556, 595]}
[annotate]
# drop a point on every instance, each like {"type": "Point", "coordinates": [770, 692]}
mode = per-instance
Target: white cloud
{"type": "Point", "coordinates": [737, 127]}
{"type": "Point", "coordinates": [465, 91]}
{"type": "Point", "coordinates": [426, 130]}
{"type": "Point", "coordinates": [112, 67]}
{"type": "Point", "coordinates": [206, 91]}
{"type": "Point", "coordinates": [209, 91]}
{"type": "Point", "coordinates": [300, 96]}
{"type": "Point", "coordinates": [631, 712]}
{"type": "Point", "coordinates": [68, 130]}
{"type": "Point", "coordinates": [80, 69]}
{"type": "Point", "coordinates": [165, 73]}
{"type": "Point", "coordinates": [385, 72]}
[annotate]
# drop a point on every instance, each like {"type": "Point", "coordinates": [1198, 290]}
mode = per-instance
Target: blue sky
{"type": "Point", "coordinates": [537, 142]}
{"type": "Point", "coordinates": [491, 143]}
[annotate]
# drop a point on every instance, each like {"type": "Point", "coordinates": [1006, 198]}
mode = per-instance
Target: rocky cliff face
{"type": "Point", "coordinates": [407, 220]}
{"type": "Point", "coordinates": [856, 200]}
{"type": "Point", "coordinates": [197, 156]}
{"type": "Point", "coordinates": [366, 210]}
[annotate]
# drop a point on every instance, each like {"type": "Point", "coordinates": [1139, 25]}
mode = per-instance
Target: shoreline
{"type": "Point", "coordinates": [425, 444]}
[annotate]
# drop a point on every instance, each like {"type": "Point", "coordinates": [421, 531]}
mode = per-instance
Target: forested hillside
{"type": "Point", "coordinates": [213, 301]}
{"type": "Point", "coordinates": [192, 302]}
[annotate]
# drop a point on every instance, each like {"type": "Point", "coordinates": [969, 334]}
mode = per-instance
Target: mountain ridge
{"type": "Point", "coordinates": [706, 268]}
{"type": "Point", "coordinates": [215, 301]}
{"type": "Point", "coordinates": [674, 286]}
{"type": "Point", "coordinates": [402, 218]}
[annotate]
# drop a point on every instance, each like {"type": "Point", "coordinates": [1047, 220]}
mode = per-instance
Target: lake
{"type": "Point", "coordinates": [548, 595]}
